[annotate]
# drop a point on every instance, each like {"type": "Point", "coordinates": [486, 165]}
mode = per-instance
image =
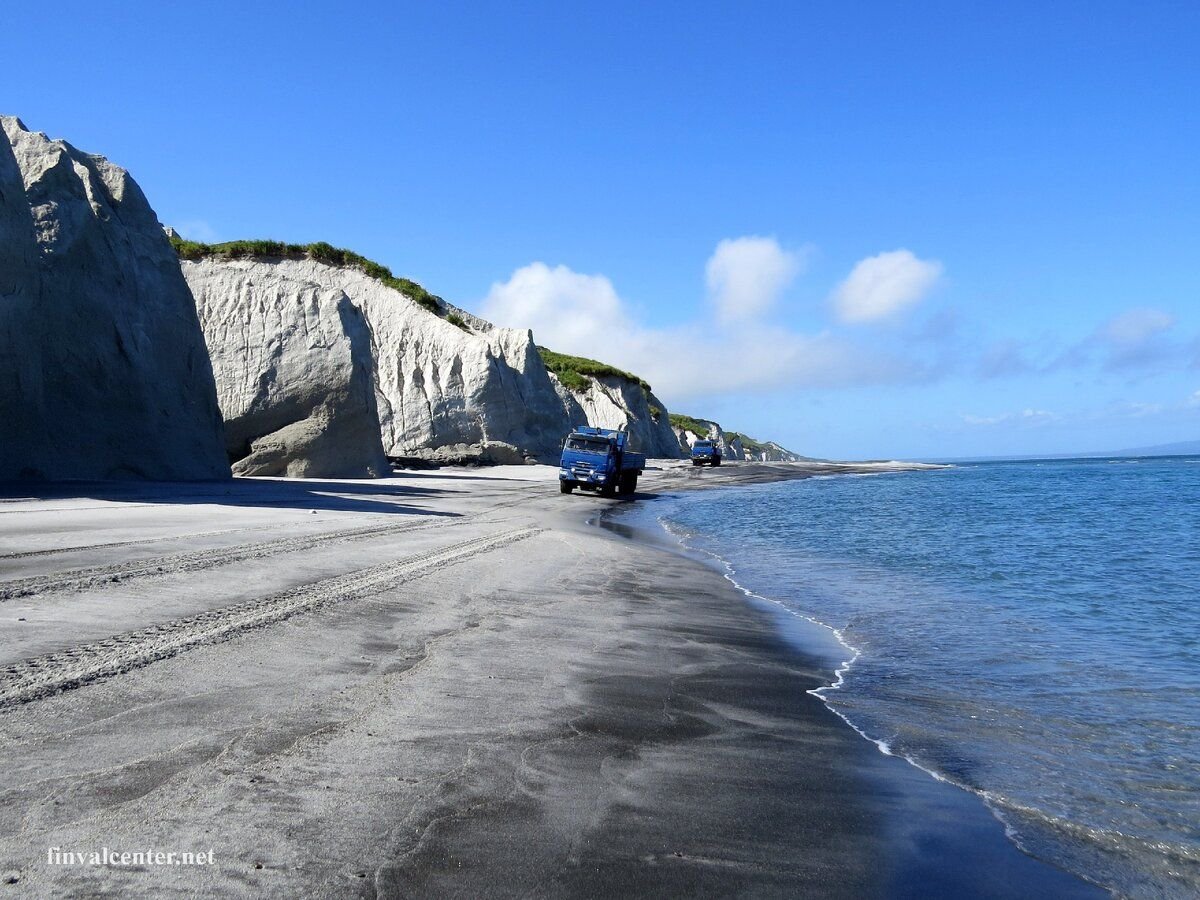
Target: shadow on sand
{"type": "Point", "coordinates": [334, 496]}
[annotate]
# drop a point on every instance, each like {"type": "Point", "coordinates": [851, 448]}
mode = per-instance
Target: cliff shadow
{"type": "Point", "coordinates": [314, 494]}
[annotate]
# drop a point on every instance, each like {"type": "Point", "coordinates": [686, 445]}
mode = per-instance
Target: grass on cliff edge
{"type": "Point", "coordinates": [689, 423]}
{"type": "Point", "coordinates": [748, 443]}
{"type": "Point", "coordinates": [320, 251]}
{"type": "Point", "coordinates": [574, 371]}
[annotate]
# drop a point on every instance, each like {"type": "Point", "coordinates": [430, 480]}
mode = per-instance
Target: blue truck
{"type": "Point", "coordinates": [706, 453]}
{"type": "Point", "coordinates": [599, 459]}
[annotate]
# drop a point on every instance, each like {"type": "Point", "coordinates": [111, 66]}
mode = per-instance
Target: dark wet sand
{"type": "Point", "coordinates": [573, 713]}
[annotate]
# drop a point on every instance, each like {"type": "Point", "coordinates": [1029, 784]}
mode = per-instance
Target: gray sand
{"type": "Point", "coordinates": [445, 683]}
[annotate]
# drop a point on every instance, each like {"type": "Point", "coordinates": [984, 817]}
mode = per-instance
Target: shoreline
{"type": "Point", "coordinates": [547, 708]}
{"type": "Point", "coordinates": [960, 810]}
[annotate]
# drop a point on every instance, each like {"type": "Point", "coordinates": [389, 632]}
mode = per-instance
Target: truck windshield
{"type": "Point", "coordinates": [702, 445]}
{"type": "Point", "coordinates": [590, 445]}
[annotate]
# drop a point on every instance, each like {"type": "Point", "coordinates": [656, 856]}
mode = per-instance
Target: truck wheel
{"type": "Point", "coordinates": [633, 483]}
{"type": "Point", "coordinates": [716, 462]}
{"type": "Point", "coordinates": [695, 462]}
{"type": "Point", "coordinates": [607, 491]}
{"type": "Point", "coordinates": [565, 487]}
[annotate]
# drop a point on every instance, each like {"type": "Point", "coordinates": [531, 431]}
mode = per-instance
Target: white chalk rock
{"type": "Point", "coordinates": [457, 394]}
{"type": "Point", "coordinates": [715, 433]}
{"type": "Point", "coordinates": [103, 367]}
{"type": "Point", "coordinates": [623, 405]}
{"type": "Point", "coordinates": [444, 392]}
{"type": "Point", "coordinates": [292, 359]}
{"type": "Point", "coordinates": [440, 392]}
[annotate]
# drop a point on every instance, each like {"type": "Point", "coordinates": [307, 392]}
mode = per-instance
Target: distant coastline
{"type": "Point", "coordinates": [1161, 451]}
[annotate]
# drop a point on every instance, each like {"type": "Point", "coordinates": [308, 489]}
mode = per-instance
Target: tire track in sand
{"type": "Point", "coordinates": [134, 542]}
{"type": "Point", "coordinates": [192, 561]}
{"type": "Point", "coordinates": [43, 676]}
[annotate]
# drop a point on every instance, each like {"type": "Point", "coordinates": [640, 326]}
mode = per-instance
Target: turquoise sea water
{"type": "Point", "coordinates": [1029, 631]}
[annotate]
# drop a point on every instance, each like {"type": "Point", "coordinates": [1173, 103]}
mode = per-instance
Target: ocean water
{"type": "Point", "coordinates": [1028, 631]}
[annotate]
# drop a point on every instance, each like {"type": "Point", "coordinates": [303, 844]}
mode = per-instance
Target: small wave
{"type": "Point", "coordinates": [1162, 869]}
{"type": "Point", "coordinates": [1088, 851]}
{"type": "Point", "coordinates": [839, 674]}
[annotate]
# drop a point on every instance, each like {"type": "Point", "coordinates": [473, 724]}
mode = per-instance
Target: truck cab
{"type": "Point", "coordinates": [599, 459]}
{"type": "Point", "coordinates": [706, 453]}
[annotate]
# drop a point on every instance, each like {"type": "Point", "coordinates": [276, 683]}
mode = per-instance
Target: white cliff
{"type": "Point", "coordinates": [103, 367]}
{"type": "Point", "coordinates": [312, 358]}
{"type": "Point", "coordinates": [623, 405]}
{"type": "Point", "coordinates": [458, 394]}
{"type": "Point", "coordinates": [733, 446]}
{"type": "Point", "coordinates": [707, 430]}
{"type": "Point", "coordinates": [444, 392]}
{"type": "Point", "coordinates": [293, 366]}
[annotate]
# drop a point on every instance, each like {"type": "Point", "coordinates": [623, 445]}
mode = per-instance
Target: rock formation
{"type": "Point", "coordinates": [624, 405]}
{"type": "Point", "coordinates": [705, 430]}
{"type": "Point", "coordinates": [458, 393]}
{"type": "Point", "coordinates": [312, 357]}
{"type": "Point", "coordinates": [734, 446]}
{"type": "Point", "coordinates": [294, 370]}
{"type": "Point", "coordinates": [435, 390]}
{"type": "Point", "coordinates": [103, 368]}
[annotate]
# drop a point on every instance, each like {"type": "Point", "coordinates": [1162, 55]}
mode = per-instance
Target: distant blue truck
{"type": "Point", "coordinates": [599, 459]}
{"type": "Point", "coordinates": [706, 453]}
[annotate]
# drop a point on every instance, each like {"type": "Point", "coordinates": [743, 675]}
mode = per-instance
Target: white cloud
{"type": "Point", "coordinates": [746, 275]}
{"type": "Point", "coordinates": [583, 314]}
{"type": "Point", "coordinates": [880, 286]}
{"type": "Point", "coordinates": [1135, 339]}
{"type": "Point", "coordinates": [566, 309]}
{"type": "Point", "coordinates": [1024, 417]}
{"type": "Point", "coordinates": [1003, 358]}
{"type": "Point", "coordinates": [984, 420]}
{"type": "Point", "coordinates": [1138, 410]}
{"type": "Point", "coordinates": [1194, 400]}
{"type": "Point", "coordinates": [1136, 326]}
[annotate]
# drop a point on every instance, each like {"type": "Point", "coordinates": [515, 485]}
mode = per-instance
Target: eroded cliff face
{"type": "Point", "coordinates": [458, 394]}
{"type": "Point", "coordinates": [732, 445]}
{"type": "Point", "coordinates": [622, 405]}
{"type": "Point", "coordinates": [730, 450]}
{"type": "Point", "coordinates": [103, 367]}
{"type": "Point", "coordinates": [323, 370]}
{"type": "Point", "coordinates": [294, 370]}
{"type": "Point", "coordinates": [773, 452]}
{"type": "Point", "coordinates": [299, 341]}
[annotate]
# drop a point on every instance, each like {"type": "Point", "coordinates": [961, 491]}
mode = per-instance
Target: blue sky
{"type": "Point", "coordinates": [865, 230]}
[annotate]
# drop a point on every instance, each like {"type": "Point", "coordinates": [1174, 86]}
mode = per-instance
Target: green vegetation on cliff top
{"type": "Point", "coordinates": [700, 427]}
{"type": "Point", "coordinates": [574, 371]}
{"type": "Point", "coordinates": [748, 443]}
{"type": "Point", "coordinates": [690, 423]}
{"type": "Point", "coordinates": [320, 251]}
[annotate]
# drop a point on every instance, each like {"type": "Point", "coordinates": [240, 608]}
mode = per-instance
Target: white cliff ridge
{"type": "Point", "coordinates": [427, 387]}
{"type": "Point", "coordinates": [733, 446]}
{"type": "Point", "coordinates": [458, 393]}
{"type": "Point", "coordinates": [103, 367]}
{"type": "Point", "coordinates": [323, 364]}
{"type": "Point", "coordinates": [326, 364]}
{"type": "Point", "coordinates": [293, 365]}
{"type": "Point", "coordinates": [623, 405]}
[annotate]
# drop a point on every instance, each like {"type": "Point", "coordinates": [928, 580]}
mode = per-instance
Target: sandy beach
{"type": "Point", "coordinates": [445, 683]}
